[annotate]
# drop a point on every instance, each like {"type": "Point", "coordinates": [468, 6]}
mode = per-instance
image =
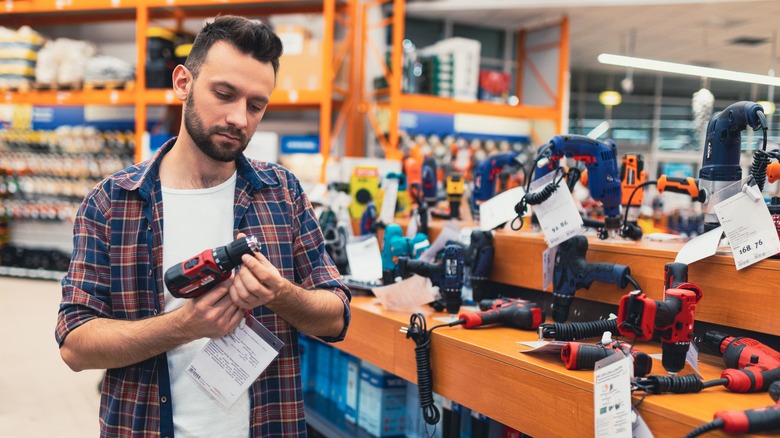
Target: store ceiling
{"type": "Point", "coordinates": [700, 32]}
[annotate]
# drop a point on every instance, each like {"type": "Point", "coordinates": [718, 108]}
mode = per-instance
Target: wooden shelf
{"type": "Point", "coordinates": [484, 370]}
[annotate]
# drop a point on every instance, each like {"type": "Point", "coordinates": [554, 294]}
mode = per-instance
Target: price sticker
{"type": "Point", "coordinates": [558, 215]}
{"type": "Point", "coordinates": [748, 225]}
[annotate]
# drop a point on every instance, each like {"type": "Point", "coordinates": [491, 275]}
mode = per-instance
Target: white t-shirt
{"type": "Point", "coordinates": [194, 221]}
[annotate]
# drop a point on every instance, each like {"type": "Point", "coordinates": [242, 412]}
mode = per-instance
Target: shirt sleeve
{"type": "Point", "coordinates": [312, 261]}
{"type": "Point", "coordinates": [86, 286]}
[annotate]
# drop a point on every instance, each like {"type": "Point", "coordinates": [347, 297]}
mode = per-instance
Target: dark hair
{"type": "Point", "coordinates": [250, 37]}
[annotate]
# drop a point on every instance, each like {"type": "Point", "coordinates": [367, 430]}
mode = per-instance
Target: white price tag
{"type": "Point", "coordinates": [558, 215]}
{"type": "Point", "coordinates": [227, 366]}
{"type": "Point", "coordinates": [548, 266]}
{"type": "Point", "coordinates": [407, 294]}
{"type": "Point", "coordinates": [748, 225]}
{"type": "Point", "coordinates": [411, 228]}
{"type": "Point", "coordinates": [612, 399]}
{"type": "Point", "coordinates": [700, 247]}
{"type": "Point", "coordinates": [500, 208]}
{"type": "Point", "coordinates": [390, 187]}
{"type": "Point", "coordinates": [365, 260]}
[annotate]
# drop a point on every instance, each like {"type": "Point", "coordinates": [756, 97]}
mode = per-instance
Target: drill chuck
{"type": "Point", "coordinates": [673, 356]}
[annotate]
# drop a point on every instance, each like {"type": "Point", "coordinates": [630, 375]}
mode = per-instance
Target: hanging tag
{"type": "Point", "coordinates": [749, 227]}
{"type": "Point", "coordinates": [612, 397]}
{"type": "Point", "coordinates": [390, 187]}
{"type": "Point", "coordinates": [548, 266]}
{"type": "Point", "coordinates": [450, 231]}
{"type": "Point", "coordinates": [700, 247]}
{"type": "Point", "coordinates": [692, 357]}
{"type": "Point", "coordinates": [500, 208]}
{"type": "Point", "coordinates": [365, 260]}
{"type": "Point", "coordinates": [639, 428]}
{"type": "Point", "coordinates": [227, 366]}
{"type": "Point", "coordinates": [558, 215]}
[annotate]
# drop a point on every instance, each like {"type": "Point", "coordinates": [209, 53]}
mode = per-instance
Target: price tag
{"type": "Point", "coordinates": [548, 266]}
{"type": "Point", "coordinates": [612, 398]}
{"type": "Point", "coordinates": [365, 260]}
{"type": "Point", "coordinates": [390, 187]}
{"type": "Point", "coordinates": [558, 215]}
{"type": "Point", "coordinates": [407, 294]}
{"type": "Point", "coordinates": [700, 247]}
{"type": "Point", "coordinates": [748, 225]}
{"type": "Point", "coordinates": [499, 209]}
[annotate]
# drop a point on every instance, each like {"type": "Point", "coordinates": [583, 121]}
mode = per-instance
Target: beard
{"type": "Point", "coordinates": [202, 136]}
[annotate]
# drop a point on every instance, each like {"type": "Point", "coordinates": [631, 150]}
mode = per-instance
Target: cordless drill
{"type": "Point", "coordinates": [197, 275]}
{"type": "Point", "coordinates": [581, 356]}
{"type": "Point", "coordinates": [751, 365]}
{"type": "Point", "coordinates": [642, 317]}
{"type": "Point", "coordinates": [573, 272]}
{"type": "Point", "coordinates": [455, 188]}
{"type": "Point", "coordinates": [600, 159]}
{"type": "Point", "coordinates": [521, 314]}
{"type": "Point", "coordinates": [430, 181]}
{"type": "Point", "coordinates": [720, 160]}
{"type": "Point", "coordinates": [487, 173]}
{"type": "Point", "coordinates": [396, 245]}
{"type": "Point", "coordinates": [447, 274]}
{"type": "Point", "coordinates": [480, 260]}
{"type": "Point", "coordinates": [632, 175]}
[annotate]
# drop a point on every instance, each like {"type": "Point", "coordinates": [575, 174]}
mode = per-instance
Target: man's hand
{"type": "Point", "coordinates": [213, 314]}
{"type": "Point", "coordinates": [257, 282]}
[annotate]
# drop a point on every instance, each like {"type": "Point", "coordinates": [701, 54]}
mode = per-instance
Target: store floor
{"type": "Point", "coordinates": [39, 395]}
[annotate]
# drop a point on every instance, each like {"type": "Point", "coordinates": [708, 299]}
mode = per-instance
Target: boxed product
{"type": "Point", "coordinates": [300, 67]}
{"type": "Point", "coordinates": [463, 55]}
{"type": "Point", "coordinates": [352, 397]}
{"type": "Point", "coordinates": [381, 405]}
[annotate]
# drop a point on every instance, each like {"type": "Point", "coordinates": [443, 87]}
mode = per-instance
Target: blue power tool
{"type": "Point", "coordinates": [447, 274]}
{"type": "Point", "coordinates": [486, 173]}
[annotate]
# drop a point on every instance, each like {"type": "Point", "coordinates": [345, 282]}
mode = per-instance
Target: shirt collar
{"type": "Point", "coordinates": [259, 175]}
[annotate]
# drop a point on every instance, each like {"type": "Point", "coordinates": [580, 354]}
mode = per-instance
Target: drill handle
{"type": "Point", "coordinates": [764, 419]}
{"type": "Point", "coordinates": [425, 269]}
{"type": "Point", "coordinates": [675, 274]}
{"type": "Point", "coordinates": [685, 186]}
{"type": "Point", "coordinates": [611, 273]}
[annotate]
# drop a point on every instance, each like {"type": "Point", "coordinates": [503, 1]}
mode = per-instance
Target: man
{"type": "Point", "coordinates": [200, 192]}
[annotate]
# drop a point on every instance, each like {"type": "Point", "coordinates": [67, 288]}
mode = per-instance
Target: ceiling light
{"type": "Point", "coordinates": [610, 98]}
{"type": "Point", "coordinates": [685, 69]}
{"type": "Point", "coordinates": [769, 106]}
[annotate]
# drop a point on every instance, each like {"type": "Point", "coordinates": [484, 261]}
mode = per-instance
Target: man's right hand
{"type": "Point", "coordinates": [213, 314]}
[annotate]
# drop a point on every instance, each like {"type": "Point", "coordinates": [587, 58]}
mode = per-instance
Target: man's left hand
{"type": "Point", "coordinates": [257, 282]}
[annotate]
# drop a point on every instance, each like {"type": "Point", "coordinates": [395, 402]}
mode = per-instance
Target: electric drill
{"type": "Point", "coordinates": [197, 275]}
{"type": "Point", "coordinates": [396, 245]}
{"type": "Point", "coordinates": [486, 173]}
{"type": "Point", "coordinates": [369, 220]}
{"type": "Point", "coordinates": [600, 159]}
{"type": "Point", "coordinates": [632, 174]}
{"type": "Point", "coordinates": [672, 318]}
{"type": "Point", "coordinates": [479, 257]}
{"type": "Point", "coordinates": [522, 314]}
{"type": "Point", "coordinates": [455, 188]}
{"type": "Point", "coordinates": [430, 181]}
{"type": "Point", "coordinates": [447, 274]}
{"type": "Point", "coordinates": [764, 419]}
{"type": "Point", "coordinates": [573, 272]}
{"type": "Point", "coordinates": [581, 356]}
{"type": "Point", "coordinates": [751, 365]}
{"type": "Point", "coordinates": [720, 160]}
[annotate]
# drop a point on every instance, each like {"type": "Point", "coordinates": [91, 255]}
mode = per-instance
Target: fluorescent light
{"type": "Point", "coordinates": [685, 69]}
{"type": "Point", "coordinates": [610, 98]}
{"type": "Point", "coordinates": [769, 107]}
{"type": "Point", "coordinates": [599, 130]}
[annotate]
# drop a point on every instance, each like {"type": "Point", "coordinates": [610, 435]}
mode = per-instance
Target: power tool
{"type": "Point", "coordinates": [430, 181]}
{"type": "Point", "coordinates": [751, 365]}
{"type": "Point", "coordinates": [396, 245]}
{"type": "Point", "coordinates": [416, 193]}
{"type": "Point", "coordinates": [642, 317]}
{"type": "Point", "coordinates": [486, 175]}
{"type": "Point", "coordinates": [522, 314]}
{"type": "Point", "coordinates": [632, 176]}
{"type": "Point", "coordinates": [369, 220]}
{"type": "Point", "coordinates": [336, 237]}
{"type": "Point", "coordinates": [447, 274]}
{"type": "Point", "coordinates": [764, 419]}
{"type": "Point", "coordinates": [479, 257]}
{"type": "Point", "coordinates": [573, 272]}
{"type": "Point", "coordinates": [600, 159]}
{"type": "Point", "coordinates": [197, 275]}
{"type": "Point", "coordinates": [581, 356]}
{"type": "Point", "coordinates": [455, 188]}
{"type": "Point", "coordinates": [720, 159]}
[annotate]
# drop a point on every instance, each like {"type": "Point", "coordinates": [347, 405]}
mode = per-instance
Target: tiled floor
{"type": "Point", "coordinates": [39, 395]}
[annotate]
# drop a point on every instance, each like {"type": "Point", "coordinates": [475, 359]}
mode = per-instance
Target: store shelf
{"type": "Point", "coordinates": [483, 369]}
{"type": "Point", "coordinates": [280, 99]}
{"type": "Point", "coordinates": [45, 6]}
{"type": "Point", "coordinates": [69, 97]}
{"type": "Point", "coordinates": [421, 102]}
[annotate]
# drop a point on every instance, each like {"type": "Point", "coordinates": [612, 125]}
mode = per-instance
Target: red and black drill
{"type": "Point", "coordinates": [197, 275]}
{"type": "Point", "coordinates": [581, 356]}
{"type": "Point", "coordinates": [642, 317]}
{"type": "Point", "coordinates": [512, 312]}
{"type": "Point", "coordinates": [764, 419]}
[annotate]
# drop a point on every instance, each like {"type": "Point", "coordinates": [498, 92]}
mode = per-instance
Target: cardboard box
{"type": "Point", "coordinates": [301, 69]}
{"type": "Point", "coordinates": [382, 404]}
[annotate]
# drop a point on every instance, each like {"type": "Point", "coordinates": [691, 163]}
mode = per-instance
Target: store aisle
{"type": "Point", "coordinates": [39, 395]}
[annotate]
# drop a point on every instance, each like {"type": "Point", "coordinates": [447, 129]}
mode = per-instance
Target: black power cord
{"type": "Point", "coordinates": [419, 333]}
{"type": "Point", "coordinates": [707, 427]}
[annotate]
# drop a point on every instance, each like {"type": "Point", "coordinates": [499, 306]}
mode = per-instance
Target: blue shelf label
{"type": "Point", "coordinates": [300, 144]}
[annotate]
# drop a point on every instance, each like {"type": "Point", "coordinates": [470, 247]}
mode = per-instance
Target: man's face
{"type": "Point", "coordinates": [227, 101]}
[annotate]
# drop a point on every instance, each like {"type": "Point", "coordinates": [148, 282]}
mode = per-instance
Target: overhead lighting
{"type": "Point", "coordinates": [610, 98]}
{"type": "Point", "coordinates": [769, 106]}
{"type": "Point", "coordinates": [685, 69]}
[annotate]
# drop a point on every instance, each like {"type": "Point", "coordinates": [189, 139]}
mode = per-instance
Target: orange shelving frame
{"type": "Point", "coordinates": [394, 100]}
{"type": "Point", "coordinates": [329, 100]}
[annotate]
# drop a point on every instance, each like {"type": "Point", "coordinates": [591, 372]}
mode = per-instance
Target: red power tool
{"type": "Point", "coordinates": [197, 275]}
{"type": "Point", "coordinates": [521, 314]}
{"type": "Point", "coordinates": [581, 356]}
{"type": "Point", "coordinates": [751, 365]}
{"type": "Point", "coordinates": [672, 318]}
{"type": "Point", "coordinates": [764, 419]}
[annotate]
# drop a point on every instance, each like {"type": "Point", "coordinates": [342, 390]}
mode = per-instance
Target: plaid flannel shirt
{"type": "Point", "coordinates": [116, 272]}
